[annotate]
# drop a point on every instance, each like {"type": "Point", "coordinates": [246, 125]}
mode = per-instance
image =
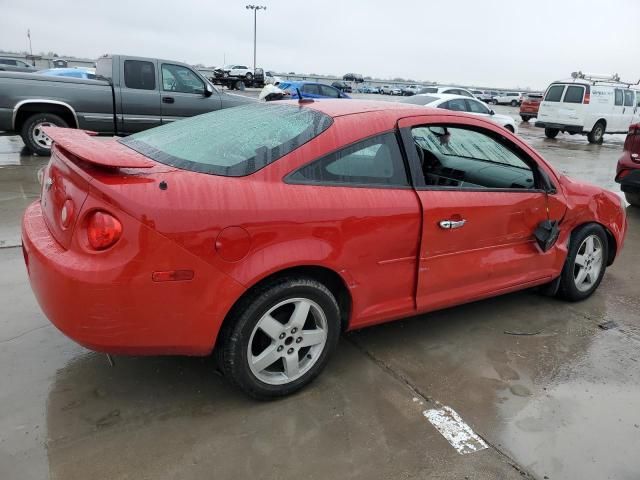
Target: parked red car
{"type": "Point", "coordinates": [262, 232]}
{"type": "Point", "coordinates": [530, 105]}
{"type": "Point", "coordinates": [628, 171]}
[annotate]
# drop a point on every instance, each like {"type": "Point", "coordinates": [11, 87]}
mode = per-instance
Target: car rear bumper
{"type": "Point", "coordinates": [108, 302]}
{"type": "Point", "coordinates": [560, 126]}
{"type": "Point", "coordinates": [629, 179]}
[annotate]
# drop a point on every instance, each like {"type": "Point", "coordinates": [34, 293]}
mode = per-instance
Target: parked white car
{"type": "Point", "coordinates": [239, 71]}
{"type": "Point", "coordinates": [271, 78]}
{"type": "Point", "coordinates": [459, 103]}
{"type": "Point", "coordinates": [449, 90]}
{"type": "Point", "coordinates": [508, 98]}
{"type": "Point", "coordinates": [589, 106]}
{"type": "Point", "coordinates": [390, 90]}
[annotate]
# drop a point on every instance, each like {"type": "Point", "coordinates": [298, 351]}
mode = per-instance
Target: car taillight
{"type": "Point", "coordinates": [103, 230]}
{"type": "Point", "coordinates": [587, 98]}
{"type": "Point", "coordinates": [634, 129]}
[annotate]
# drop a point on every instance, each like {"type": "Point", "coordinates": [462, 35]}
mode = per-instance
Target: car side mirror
{"type": "Point", "coordinates": [491, 112]}
{"type": "Point", "coordinates": [208, 90]}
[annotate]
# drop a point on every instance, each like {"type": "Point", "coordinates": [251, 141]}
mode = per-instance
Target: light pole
{"type": "Point", "coordinates": [255, 9]}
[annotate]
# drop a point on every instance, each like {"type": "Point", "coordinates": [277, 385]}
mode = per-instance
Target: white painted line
{"type": "Point", "coordinates": [455, 430]}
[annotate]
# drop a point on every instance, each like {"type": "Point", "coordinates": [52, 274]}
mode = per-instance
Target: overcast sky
{"type": "Point", "coordinates": [473, 42]}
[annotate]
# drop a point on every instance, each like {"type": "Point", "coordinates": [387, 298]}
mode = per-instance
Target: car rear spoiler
{"type": "Point", "coordinates": [97, 152]}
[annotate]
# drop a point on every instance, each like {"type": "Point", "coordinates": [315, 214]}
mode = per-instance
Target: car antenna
{"type": "Point", "coordinates": [303, 100]}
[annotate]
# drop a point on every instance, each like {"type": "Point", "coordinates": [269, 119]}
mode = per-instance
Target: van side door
{"type": "Point", "coordinates": [139, 95]}
{"type": "Point", "coordinates": [617, 119]}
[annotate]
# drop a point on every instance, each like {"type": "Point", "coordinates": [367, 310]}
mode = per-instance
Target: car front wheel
{"type": "Point", "coordinates": [585, 264]}
{"type": "Point", "coordinates": [281, 337]}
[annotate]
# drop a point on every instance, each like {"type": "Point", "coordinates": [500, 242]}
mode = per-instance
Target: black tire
{"type": "Point", "coordinates": [246, 315]}
{"type": "Point", "coordinates": [494, 101]}
{"type": "Point", "coordinates": [568, 289]}
{"type": "Point", "coordinates": [633, 198]}
{"type": "Point", "coordinates": [30, 130]}
{"type": "Point", "coordinates": [525, 118]}
{"type": "Point", "coordinates": [514, 103]}
{"type": "Point", "coordinates": [551, 132]}
{"type": "Point", "coordinates": [249, 76]}
{"type": "Point", "coordinates": [597, 132]}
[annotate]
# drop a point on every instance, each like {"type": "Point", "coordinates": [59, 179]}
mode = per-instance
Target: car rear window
{"type": "Point", "coordinates": [419, 100]}
{"type": "Point", "coordinates": [232, 142]}
{"type": "Point", "coordinates": [554, 94]}
{"type": "Point", "coordinates": [574, 94]}
{"type": "Point", "coordinates": [429, 90]}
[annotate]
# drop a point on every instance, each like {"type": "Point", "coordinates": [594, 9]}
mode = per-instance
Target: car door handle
{"type": "Point", "coordinates": [168, 100]}
{"type": "Point", "coordinates": [451, 224]}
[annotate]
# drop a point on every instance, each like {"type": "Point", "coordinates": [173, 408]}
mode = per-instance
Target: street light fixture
{"type": "Point", "coordinates": [255, 9]}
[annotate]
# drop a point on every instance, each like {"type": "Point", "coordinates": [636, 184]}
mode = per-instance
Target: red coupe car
{"type": "Point", "coordinates": [262, 232]}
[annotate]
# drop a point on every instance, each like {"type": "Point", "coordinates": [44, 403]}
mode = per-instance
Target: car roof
{"type": "Point", "coordinates": [442, 96]}
{"type": "Point", "coordinates": [340, 107]}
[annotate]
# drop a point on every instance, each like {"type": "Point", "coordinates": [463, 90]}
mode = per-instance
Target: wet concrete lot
{"type": "Point", "coordinates": [552, 393]}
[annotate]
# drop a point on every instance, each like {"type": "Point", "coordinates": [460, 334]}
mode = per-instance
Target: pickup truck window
{"type": "Point", "coordinates": [233, 142]}
{"type": "Point", "coordinates": [176, 78]}
{"type": "Point", "coordinates": [139, 75]}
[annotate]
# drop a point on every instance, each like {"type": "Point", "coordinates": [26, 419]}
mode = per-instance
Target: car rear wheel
{"type": "Point", "coordinates": [633, 198]}
{"type": "Point", "coordinates": [525, 118]}
{"type": "Point", "coordinates": [281, 337]}
{"type": "Point", "coordinates": [551, 132]}
{"type": "Point", "coordinates": [248, 76]}
{"type": "Point", "coordinates": [494, 101]}
{"type": "Point", "coordinates": [585, 264]}
{"type": "Point", "coordinates": [33, 135]}
{"type": "Point", "coordinates": [597, 133]}
{"type": "Point", "coordinates": [514, 103]}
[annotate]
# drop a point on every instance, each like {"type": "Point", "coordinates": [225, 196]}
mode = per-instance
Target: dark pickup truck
{"type": "Point", "coordinates": [131, 94]}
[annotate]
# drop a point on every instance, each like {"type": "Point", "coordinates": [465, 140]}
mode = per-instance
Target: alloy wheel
{"type": "Point", "coordinates": [588, 263]}
{"type": "Point", "coordinates": [287, 341]}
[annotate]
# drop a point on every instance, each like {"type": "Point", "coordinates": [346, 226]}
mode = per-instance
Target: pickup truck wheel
{"type": "Point", "coordinates": [596, 133]}
{"type": "Point", "coordinates": [551, 132]}
{"type": "Point", "coordinates": [633, 198]}
{"type": "Point", "coordinates": [280, 337]}
{"type": "Point", "coordinates": [33, 135]}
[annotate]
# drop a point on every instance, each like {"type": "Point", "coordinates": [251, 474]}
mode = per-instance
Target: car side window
{"type": "Point", "coordinates": [375, 161]}
{"type": "Point", "coordinates": [311, 88]}
{"type": "Point", "coordinates": [475, 106]}
{"type": "Point", "coordinates": [628, 98]}
{"type": "Point", "coordinates": [618, 97]}
{"type": "Point", "coordinates": [464, 158]}
{"type": "Point", "coordinates": [176, 78]}
{"type": "Point", "coordinates": [139, 75]}
{"type": "Point", "coordinates": [457, 105]}
{"type": "Point", "coordinates": [329, 91]}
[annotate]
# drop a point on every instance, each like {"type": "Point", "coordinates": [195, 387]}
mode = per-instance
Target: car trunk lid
{"type": "Point", "coordinates": [75, 157]}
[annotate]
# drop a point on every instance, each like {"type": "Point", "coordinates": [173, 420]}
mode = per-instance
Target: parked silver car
{"type": "Point", "coordinates": [15, 65]}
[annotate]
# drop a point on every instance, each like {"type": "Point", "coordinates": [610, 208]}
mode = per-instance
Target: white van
{"type": "Point", "coordinates": [589, 105]}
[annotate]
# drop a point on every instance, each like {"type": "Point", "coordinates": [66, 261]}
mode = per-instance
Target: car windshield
{"type": "Point", "coordinates": [419, 100]}
{"type": "Point", "coordinates": [232, 142]}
